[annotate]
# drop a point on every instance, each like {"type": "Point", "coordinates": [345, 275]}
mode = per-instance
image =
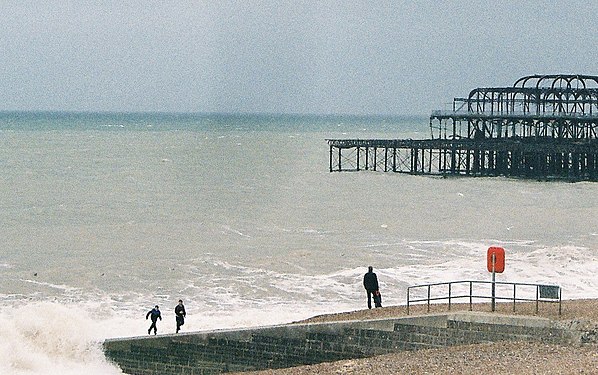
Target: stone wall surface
{"type": "Point", "coordinates": [299, 344]}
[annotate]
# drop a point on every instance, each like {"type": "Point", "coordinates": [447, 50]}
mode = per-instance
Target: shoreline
{"type": "Point", "coordinates": [492, 358]}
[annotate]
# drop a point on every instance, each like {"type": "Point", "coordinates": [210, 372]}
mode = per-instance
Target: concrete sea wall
{"type": "Point", "coordinates": [298, 344]}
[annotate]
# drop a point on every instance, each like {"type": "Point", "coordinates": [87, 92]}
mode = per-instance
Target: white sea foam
{"type": "Point", "coordinates": [48, 338]}
{"type": "Point", "coordinates": [64, 288]}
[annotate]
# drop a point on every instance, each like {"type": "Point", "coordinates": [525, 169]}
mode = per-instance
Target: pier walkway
{"type": "Point", "coordinates": [531, 158]}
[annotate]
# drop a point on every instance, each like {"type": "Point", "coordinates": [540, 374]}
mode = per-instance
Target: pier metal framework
{"type": "Point", "coordinates": [544, 126]}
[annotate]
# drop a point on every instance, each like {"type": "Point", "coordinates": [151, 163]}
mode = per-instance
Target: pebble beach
{"type": "Point", "coordinates": [493, 358]}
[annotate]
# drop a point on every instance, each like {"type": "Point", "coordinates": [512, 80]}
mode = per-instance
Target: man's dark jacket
{"type": "Point", "coordinates": [370, 282]}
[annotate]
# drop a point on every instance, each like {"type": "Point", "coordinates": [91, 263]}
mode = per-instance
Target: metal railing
{"type": "Point", "coordinates": [544, 293]}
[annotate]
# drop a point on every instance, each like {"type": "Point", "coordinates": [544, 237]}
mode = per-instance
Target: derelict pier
{"type": "Point", "coordinates": [543, 127]}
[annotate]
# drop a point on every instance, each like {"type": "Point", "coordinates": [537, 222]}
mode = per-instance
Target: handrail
{"type": "Point", "coordinates": [541, 291]}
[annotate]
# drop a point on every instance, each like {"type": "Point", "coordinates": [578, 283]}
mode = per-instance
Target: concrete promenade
{"type": "Point", "coordinates": [291, 345]}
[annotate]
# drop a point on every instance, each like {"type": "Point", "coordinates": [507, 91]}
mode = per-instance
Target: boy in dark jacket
{"type": "Point", "coordinates": [179, 312]}
{"type": "Point", "coordinates": [155, 315]}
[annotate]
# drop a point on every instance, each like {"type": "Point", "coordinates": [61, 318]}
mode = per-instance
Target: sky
{"type": "Point", "coordinates": [275, 56]}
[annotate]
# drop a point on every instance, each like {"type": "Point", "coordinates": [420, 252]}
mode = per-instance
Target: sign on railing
{"type": "Point", "coordinates": [549, 291]}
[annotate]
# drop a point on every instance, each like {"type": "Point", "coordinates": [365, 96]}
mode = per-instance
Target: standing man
{"type": "Point", "coordinates": [370, 283]}
{"type": "Point", "coordinates": [155, 314]}
{"type": "Point", "coordinates": [179, 312]}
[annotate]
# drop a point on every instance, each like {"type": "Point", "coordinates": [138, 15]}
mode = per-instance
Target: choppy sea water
{"type": "Point", "coordinates": [105, 215]}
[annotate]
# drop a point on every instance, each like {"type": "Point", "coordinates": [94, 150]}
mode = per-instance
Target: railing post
{"type": "Point", "coordinates": [470, 295]}
{"type": "Point", "coordinates": [408, 289]}
{"type": "Point", "coordinates": [514, 295]}
{"type": "Point", "coordinates": [560, 300]}
{"type": "Point", "coordinates": [428, 298]}
{"type": "Point", "coordinates": [537, 297]}
{"type": "Point", "coordinates": [493, 282]}
{"type": "Point", "coordinates": [449, 306]}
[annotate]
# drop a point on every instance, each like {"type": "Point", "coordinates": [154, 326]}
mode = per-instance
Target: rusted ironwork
{"type": "Point", "coordinates": [542, 127]}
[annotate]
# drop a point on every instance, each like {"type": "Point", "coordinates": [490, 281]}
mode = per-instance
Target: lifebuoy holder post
{"type": "Point", "coordinates": [495, 264]}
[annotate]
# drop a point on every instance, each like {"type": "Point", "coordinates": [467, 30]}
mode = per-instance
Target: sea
{"type": "Point", "coordinates": [104, 215]}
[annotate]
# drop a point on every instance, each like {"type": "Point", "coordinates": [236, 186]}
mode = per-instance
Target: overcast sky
{"type": "Point", "coordinates": [276, 56]}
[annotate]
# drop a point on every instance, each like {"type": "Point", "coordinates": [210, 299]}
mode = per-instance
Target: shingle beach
{"type": "Point", "coordinates": [495, 358]}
